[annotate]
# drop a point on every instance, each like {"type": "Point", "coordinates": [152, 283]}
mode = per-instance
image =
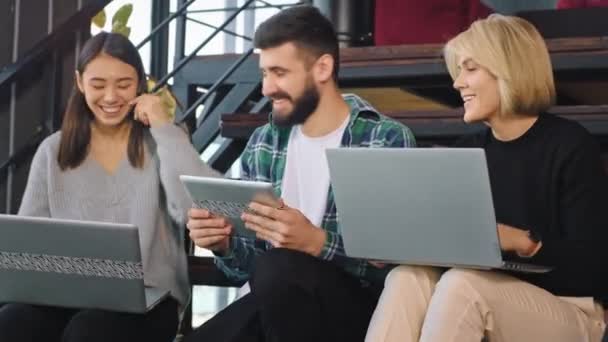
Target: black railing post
{"type": "Point", "coordinates": [180, 11]}
{"type": "Point", "coordinates": [180, 33]}
{"type": "Point", "coordinates": [192, 109]}
{"type": "Point", "coordinates": [159, 53]}
{"type": "Point", "coordinates": [42, 48]}
{"type": "Point", "coordinates": [52, 117]}
{"type": "Point", "coordinates": [187, 59]}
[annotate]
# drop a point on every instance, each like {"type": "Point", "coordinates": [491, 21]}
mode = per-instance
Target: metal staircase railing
{"type": "Point", "coordinates": [46, 46]}
{"type": "Point", "coordinates": [207, 131]}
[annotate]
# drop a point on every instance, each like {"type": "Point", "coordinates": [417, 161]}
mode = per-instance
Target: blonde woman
{"type": "Point", "coordinates": [549, 191]}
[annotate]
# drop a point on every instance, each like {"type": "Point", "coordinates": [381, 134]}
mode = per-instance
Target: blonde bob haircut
{"type": "Point", "coordinates": [513, 51]}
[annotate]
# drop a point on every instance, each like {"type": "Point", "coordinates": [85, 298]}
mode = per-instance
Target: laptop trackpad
{"type": "Point", "coordinates": [154, 296]}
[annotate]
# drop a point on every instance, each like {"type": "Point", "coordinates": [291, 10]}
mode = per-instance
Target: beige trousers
{"type": "Point", "coordinates": [422, 304]}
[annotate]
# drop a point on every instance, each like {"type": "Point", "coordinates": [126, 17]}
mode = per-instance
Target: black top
{"type": "Point", "coordinates": [551, 181]}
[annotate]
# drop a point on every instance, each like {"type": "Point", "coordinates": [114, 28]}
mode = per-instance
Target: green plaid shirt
{"type": "Point", "coordinates": [264, 160]}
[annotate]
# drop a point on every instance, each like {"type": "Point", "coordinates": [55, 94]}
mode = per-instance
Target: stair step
{"type": "Point", "coordinates": [579, 64]}
{"type": "Point", "coordinates": [431, 125]}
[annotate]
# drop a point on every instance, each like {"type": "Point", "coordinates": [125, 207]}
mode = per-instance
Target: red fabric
{"type": "Point", "coordinates": [564, 4]}
{"type": "Point", "coordinates": [424, 21]}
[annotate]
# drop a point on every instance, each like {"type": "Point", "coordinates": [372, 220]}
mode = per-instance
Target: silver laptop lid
{"type": "Point", "coordinates": [70, 238]}
{"type": "Point", "coordinates": [70, 263]}
{"type": "Point", "coordinates": [416, 206]}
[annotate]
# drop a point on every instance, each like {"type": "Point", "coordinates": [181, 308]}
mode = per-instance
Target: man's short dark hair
{"type": "Point", "coordinates": [304, 26]}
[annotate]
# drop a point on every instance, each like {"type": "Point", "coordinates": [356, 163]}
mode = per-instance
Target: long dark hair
{"type": "Point", "coordinates": [76, 127]}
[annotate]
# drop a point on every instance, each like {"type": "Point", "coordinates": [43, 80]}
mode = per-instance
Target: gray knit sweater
{"type": "Point", "coordinates": [130, 195]}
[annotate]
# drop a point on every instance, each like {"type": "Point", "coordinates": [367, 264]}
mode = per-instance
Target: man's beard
{"type": "Point", "coordinates": [303, 107]}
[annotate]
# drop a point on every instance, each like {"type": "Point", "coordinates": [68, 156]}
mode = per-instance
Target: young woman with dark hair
{"type": "Point", "coordinates": [117, 159]}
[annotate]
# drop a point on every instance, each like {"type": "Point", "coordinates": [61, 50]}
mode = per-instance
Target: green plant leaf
{"type": "Point", "coordinates": [168, 100]}
{"type": "Point", "coordinates": [122, 15]}
{"type": "Point", "coordinates": [166, 95]}
{"type": "Point", "coordinates": [150, 82]}
{"type": "Point", "coordinates": [121, 29]}
{"type": "Point", "coordinates": [99, 19]}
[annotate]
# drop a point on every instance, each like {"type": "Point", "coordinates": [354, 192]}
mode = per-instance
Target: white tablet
{"type": "Point", "coordinates": [229, 198]}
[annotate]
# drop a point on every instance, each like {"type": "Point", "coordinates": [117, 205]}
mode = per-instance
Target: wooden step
{"type": "Point", "coordinates": [580, 67]}
{"type": "Point", "coordinates": [409, 54]}
{"type": "Point", "coordinates": [435, 125]}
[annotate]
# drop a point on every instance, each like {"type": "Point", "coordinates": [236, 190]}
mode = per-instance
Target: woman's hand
{"type": "Point", "coordinates": [150, 110]}
{"type": "Point", "coordinates": [516, 240]}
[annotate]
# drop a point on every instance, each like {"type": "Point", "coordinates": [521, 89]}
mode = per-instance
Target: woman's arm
{"type": "Point", "coordinates": [35, 200]}
{"type": "Point", "coordinates": [177, 156]}
{"type": "Point", "coordinates": [582, 214]}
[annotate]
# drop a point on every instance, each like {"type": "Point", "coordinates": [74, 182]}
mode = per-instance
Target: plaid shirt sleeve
{"type": "Point", "coordinates": [238, 262]}
{"type": "Point", "coordinates": [259, 159]}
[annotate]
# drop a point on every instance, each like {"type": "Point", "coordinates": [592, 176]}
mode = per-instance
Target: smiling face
{"type": "Point", "coordinates": [288, 81]}
{"type": "Point", "coordinates": [108, 85]}
{"type": "Point", "coordinates": [479, 91]}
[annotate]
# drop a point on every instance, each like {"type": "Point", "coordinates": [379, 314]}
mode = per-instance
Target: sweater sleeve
{"type": "Point", "coordinates": [178, 157]}
{"type": "Point", "coordinates": [582, 218]}
{"type": "Point", "coordinates": [35, 200]}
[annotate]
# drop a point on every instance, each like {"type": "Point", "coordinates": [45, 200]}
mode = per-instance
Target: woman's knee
{"type": "Point", "coordinates": [15, 312]}
{"type": "Point", "coordinates": [23, 322]}
{"type": "Point", "coordinates": [406, 277]}
{"type": "Point", "coordinates": [462, 282]}
{"type": "Point", "coordinates": [83, 327]}
{"type": "Point", "coordinates": [159, 324]}
{"type": "Point", "coordinates": [15, 317]}
{"type": "Point", "coordinates": [100, 325]}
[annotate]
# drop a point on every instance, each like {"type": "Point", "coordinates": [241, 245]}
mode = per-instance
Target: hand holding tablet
{"type": "Point", "coordinates": [226, 200]}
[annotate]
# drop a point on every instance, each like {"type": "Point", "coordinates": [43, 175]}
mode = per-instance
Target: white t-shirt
{"type": "Point", "coordinates": [306, 178]}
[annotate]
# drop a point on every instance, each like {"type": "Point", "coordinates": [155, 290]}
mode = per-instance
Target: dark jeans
{"type": "Point", "coordinates": [294, 297]}
{"type": "Point", "coordinates": [25, 323]}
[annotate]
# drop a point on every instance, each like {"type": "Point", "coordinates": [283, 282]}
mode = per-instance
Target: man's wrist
{"type": "Point", "coordinates": [224, 250]}
{"type": "Point", "coordinates": [320, 238]}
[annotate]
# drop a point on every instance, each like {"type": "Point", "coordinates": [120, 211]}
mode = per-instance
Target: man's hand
{"type": "Point", "coordinates": [285, 227]}
{"type": "Point", "coordinates": [209, 231]}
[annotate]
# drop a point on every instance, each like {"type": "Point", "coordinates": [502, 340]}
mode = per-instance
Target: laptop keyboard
{"type": "Point", "coordinates": [515, 266]}
{"type": "Point", "coordinates": [523, 267]}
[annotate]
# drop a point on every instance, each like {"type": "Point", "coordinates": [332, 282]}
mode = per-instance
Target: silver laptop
{"type": "Point", "coordinates": [75, 264]}
{"type": "Point", "coordinates": [425, 206]}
